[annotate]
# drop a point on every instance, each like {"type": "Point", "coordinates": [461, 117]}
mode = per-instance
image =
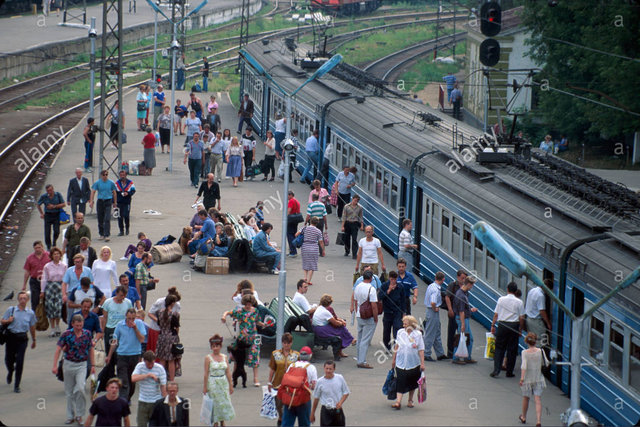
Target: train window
{"type": "Point", "coordinates": [337, 158]}
{"type": "Point", "coordinates": [446, 231]}
{"type": "Point", "coordinates": [503, 277]}
{"type": "Point", "coordinates": [616, 348]}
{"type": "Point", "coordinates": [634, 363]}
{"type": "Point", "coordinates": [351, 156]}
{"type": "Point", "coordinates": [478, 258]}
{"type": "Point", "coordinates": [596, 338]}
{"type": "Point", "coordinates": [385, 188]}
{"type": "Point", "coordinates": [378, 189]}
{"type": "Point", "coordinates": [491, 268]}
{"type": "Point", "coordinates": [345, 155]}
{"type": "Point", "coordinates": [466, 244]}
{"type": "Point", "coordinates": [372, 173]}
{"type": "Point", "coordinates": [358, 163]}
{"type": "Point", "coordinates": [435, 223]}
{"type": "Point", "coordinates": [364, 175]}
{"type": "Point", "coordinates": [456, 241]}
{"type": "Point", "coordinates": [394, 192]}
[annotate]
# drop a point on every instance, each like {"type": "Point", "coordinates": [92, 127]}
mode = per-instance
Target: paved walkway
{"type": "Point", "coordinates": [24, 32]}
{"type": "Point", "coordinates": [457, 395]}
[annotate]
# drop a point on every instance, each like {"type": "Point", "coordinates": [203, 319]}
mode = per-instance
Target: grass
{"type": "Point", "coordinates": [426, 71]}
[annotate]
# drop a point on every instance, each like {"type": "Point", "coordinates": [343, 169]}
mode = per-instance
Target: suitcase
{"type": "Point", "coordinates": [164, 254]}
{"type": "Point", "coordinates": [217, 265]}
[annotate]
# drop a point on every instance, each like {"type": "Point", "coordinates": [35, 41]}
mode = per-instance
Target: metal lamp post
{"type": "Point", "coordinates": [508, 256]}
{"type": "Point", "coordinates": [174, 47]}
{"type": "Point", "coordinates": [288, 146]}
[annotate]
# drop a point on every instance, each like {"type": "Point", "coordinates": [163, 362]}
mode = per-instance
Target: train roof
{"type": "Point", "coordinates": [512, 195]}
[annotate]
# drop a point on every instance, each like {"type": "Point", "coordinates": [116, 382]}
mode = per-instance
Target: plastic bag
{"type": "Point", "coordinates": [422, 388]}
{"type": "Point", "coordinates": [390, 386]}
{"type": "Point", "coordinates": [268, 407]}
{"type": "Point", "coordinates": [99, 355]}
{"type": "Point", "coordinates": [490, 348]}
{"type": "Point", "coordinates": [461, 351]}
{"type": "Point", "coordinates": [206, 412]}
{"type": "Point", "coordinates": [281, 170]}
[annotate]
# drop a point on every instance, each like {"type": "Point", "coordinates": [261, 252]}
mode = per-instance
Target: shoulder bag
{"type": "Point", "coordinates": [366, 311]}
{"type": "Point", "coordinates": [298, 241]}
{"type": "Point", "coordinates": [4, 329]}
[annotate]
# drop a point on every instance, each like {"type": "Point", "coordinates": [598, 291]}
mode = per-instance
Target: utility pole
{"type": "Point", "coordinates": [244, 39]}
{"type": "Point", "coordinates": [111, 80]}
{"type": "Point", "coordinates": [92, 81]}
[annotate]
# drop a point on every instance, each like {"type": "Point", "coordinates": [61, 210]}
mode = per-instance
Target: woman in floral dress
{"type": "Point", "coordinates": [217, 382]}
{"type": "Point", "coordinates": [247, 318]}
{"type": "Point", "coordinates": [169, 323]}
{"type": "Point", "coordinates": [51, 289]}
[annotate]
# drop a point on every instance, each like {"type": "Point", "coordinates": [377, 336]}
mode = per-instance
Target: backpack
{"type": "Point", "coordinates": [294, 388]}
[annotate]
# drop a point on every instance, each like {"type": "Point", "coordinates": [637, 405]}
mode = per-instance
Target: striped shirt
{"type": "Point", "coordinates": [316, 209]}
{"type": "Point", "coordinates": [149, 388]}
{"type": "Point", "coordinates": [403, 240]}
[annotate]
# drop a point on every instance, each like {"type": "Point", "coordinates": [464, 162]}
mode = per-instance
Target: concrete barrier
{"type": "Point", "coordinates": [37, 59]}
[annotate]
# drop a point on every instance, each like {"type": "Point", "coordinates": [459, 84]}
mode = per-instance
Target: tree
{"type": "Point", "coordinates": [611, 26]}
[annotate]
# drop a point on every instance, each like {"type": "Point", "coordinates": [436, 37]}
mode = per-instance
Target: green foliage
{"type": "Point", "coordinates": [612, 26]}
{"type": "Point", "coordinates": [426, 71]}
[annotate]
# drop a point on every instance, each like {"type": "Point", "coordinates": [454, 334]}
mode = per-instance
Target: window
{"type": "Point", "coordinates": [634, 363]}
{"type": "Point", "coordinates": [478, 258]}
{"type": "Point", "coordinates": [446, 234]}
{"type": "Point", "coordinates": [491, 269]}
{"type": "Point", "coordinates": [455, 242]}
{"type": "Point", "coordinates": [466, 244]}
{"type": "Point", "coordinates": [385, 188]}
{"type": "Point", "coordinates": [394, 192]}
{"type": "Point", "coordinates": [351, 156]}
{"type": "Point", "coordinates": [503, 278]}
{"type": "Point", "coordinates": [364, 175]}
{"type": "Point", "coordinates": [338, 157]}
{"type": "Point", "coordinates": [372, 174]}
{"type": "Point", "coordinates": [345, 155]}
{"type": "Point", "coordinates": [435, 223]}
{"type": "Point", "coordinates": [378, 181]}
{"type": "Point", "coordinates": [616, 348]}
{"type": "Point", "coordinates": [596, 338]}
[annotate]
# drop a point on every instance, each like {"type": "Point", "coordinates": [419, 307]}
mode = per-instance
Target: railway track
{"type": "Point", "coordinates": [389, 67]}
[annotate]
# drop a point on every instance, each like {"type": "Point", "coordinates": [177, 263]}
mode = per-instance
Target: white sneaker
{"type": "Point", "coordinates": [276, 271]}
{"type": "Point", "coordinates": [124, 258]}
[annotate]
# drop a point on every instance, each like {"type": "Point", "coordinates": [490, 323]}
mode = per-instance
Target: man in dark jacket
{"type": "Point", "coordinates": [171, 410]}
{"type": "Point", "coordinates": [245, 113]}
{"type": "Point", "coordinates": [124, 189]}
{"type": "Point", "coordinates": [393, 301]}
{"type": "Point", "coordinates": [85, 249]}
{"type": "Point", "coordinates": [78, 193]}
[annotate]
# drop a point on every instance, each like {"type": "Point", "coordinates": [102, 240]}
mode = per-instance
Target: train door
{"type": "Point", "coordinates": [417, 225]}
{"type": "Point", "coordinates": [266, 112]}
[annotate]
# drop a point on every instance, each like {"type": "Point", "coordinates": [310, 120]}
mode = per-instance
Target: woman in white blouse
{"type": "Point", "coordinates": [51, 289]}
{"type": "Point", "coordinates": [531, 379]}
{"type": "Point", "coordinates": [408, 359]}
{"type": "Point", "coordinates": [104, 272]}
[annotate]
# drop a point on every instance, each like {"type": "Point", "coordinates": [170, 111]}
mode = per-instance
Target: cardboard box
{"type": "Point", "coordinates": [217, 265]}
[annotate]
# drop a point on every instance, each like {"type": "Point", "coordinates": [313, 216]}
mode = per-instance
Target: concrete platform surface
{"type": "Point", "coordinates": [24, 32]}
{"type": "Point", "coordinates": [457, 395]}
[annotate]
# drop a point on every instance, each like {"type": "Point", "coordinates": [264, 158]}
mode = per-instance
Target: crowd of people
{"type": "Point", "coordinates": [105, 304]}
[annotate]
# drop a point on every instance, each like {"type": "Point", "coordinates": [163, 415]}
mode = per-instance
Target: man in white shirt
{"type": "Point", "coordinates": [331, 391]}
{"type": "Point", "coordinates": [301, 300]}
{"type": "Point", "coordinates": [433, 301]}
{"type": "Point", "coordinates": [303, 411]}
{"type": "Point", "coordinates": [537, 316]}
{"type": "Point", "coordinates": [367, 326]}
{"type": "Point", "coordinates": [369, 252]}
{"type": "Point", "coordinates": [405, 244]}
{"type": "Point", "coordinates": [509, 314]}
{"type": "Point", "coordinates": [153, 385]}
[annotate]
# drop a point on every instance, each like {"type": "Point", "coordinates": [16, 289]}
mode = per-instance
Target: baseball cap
{"type": "Point", "coordinates": [305, 350]}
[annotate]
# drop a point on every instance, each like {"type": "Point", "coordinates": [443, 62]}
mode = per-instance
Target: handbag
{"type": "Point", "coordinates": [142, 106]}
{"type": "Point", "coordinates": [328, 207]}
{"type": "Point", "coordinates": [366, 310]}
{"type": "Point", "coordinates": [206, 411]}
{"type": "Point", "coordinates": [99, 355]}
{"type": "Point", "coordinates": [64, 218]}
{"type": "Point", "coordinates": [177, 349]}
{"type": "Point", "coordinates": [340, 238]}
{"type": "Point", "coordinates": [390, 386]}
{"type": "Point", "coordinates": [422, 388]}
{"type": "Point", "coordinates": [4, 329]}
{"type": "Point", "coordinates": [325, 237]}
{"type": "Point", "coordinates": [60, 374]}
{"type": "Point", "coordinates": [295, 218]}
{"type": "Point", "coordinates": [42, 323]}
{"type": "Point", "coordinates": [299, 240]}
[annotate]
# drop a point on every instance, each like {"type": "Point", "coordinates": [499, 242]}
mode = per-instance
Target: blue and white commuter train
{"type": "Point", "coordinates": [541, 206]}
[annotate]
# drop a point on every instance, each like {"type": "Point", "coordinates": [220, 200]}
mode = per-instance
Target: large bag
{"type": "Point", "coordinates": [340, 238]}
{"type": "Point", "coordinates": [461, 351]}
{"type": "Point", "coordinates": [141, 106]}
{"type": "Point", "coordinates": [268, 408]}
{"type": "Point", "coordinates": [254, 170]}
{"type": "Point", "coordinates": [200, 262]}
{"type": "Point", "coordinates": [333, 199]}
{"type": "Point", "coordinates": [490, 348]}
{"type": "Point", "coordinates": [42, 323]}
{"type": "Point", "coordinates": [281, 170]}
{"type": "Point", "coordinates": [299, 240]}
{"type": "Point", "coordinates": [4, 329]}
{"type": "Point", "coordinates": [295, 218]}
{"type": "Point", "coordinates": [389, 388]}
{"type": "Point", "coordinates": [64, 218]}
{"type": "Point", "coordinates": [164, 254]}
{"type": "Point", "coordinates": [206, 411]}
{"type": "Point", "coordinates": [294, 388]}
{"type": "Point", "coordinates": [366, 309]}
{"type": "Point", "coordinates": [99, 354]}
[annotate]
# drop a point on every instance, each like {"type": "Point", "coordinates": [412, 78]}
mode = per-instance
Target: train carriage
{"type": "Point", "coordinates": [447, 191]}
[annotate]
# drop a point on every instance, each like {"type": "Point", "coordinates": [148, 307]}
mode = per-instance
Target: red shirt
{"type": "Point", "coordinates": [149, 140]}
{"type": "Point", "coordinates": [294, 205]}
{"type": "Point", "coordinates": [34, 265]}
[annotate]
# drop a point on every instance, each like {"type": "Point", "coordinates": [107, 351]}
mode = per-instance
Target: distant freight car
{"type": "Point", "coordinates": [346, 7]}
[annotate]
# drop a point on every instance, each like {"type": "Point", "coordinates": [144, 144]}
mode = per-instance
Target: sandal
{"type": "Point", "coordinates": [410, 404]}
{"type": "Point", "coordinates": [396, 405]}
{"type": "Point", "coordinates": [522, 419]}
{"type": "Point", "coordinates": [256, 384]}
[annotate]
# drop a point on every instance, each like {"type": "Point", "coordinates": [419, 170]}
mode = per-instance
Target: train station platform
{"type": "Point", "coordinates": [24, 32]}
{"type": "Point", "coordinates": [457, 395]}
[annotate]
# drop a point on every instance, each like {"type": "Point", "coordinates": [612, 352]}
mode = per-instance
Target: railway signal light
{"type": "Point", "coordinates": [489, 52]}
{"type": "Point", "coordinates": [490, 19]}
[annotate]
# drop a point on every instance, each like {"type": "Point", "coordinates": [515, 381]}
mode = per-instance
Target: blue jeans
{"type": "Point", "coordinates": [205, 84]}
{"type": "Point", "coordinates": [468, 334]}
{"type": "Point", "coordinates": [194, 171]}
{"type": "Point", "coordinates": [88, 154]}
{"type": "Point", "coordinates": [279, 136]}
{"type": "Point", "coordinates": [180, 82]}
{"type": "Point", "coordinates": [311, 164]}
{"type": "Point", "coordinates": [302, 412]}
